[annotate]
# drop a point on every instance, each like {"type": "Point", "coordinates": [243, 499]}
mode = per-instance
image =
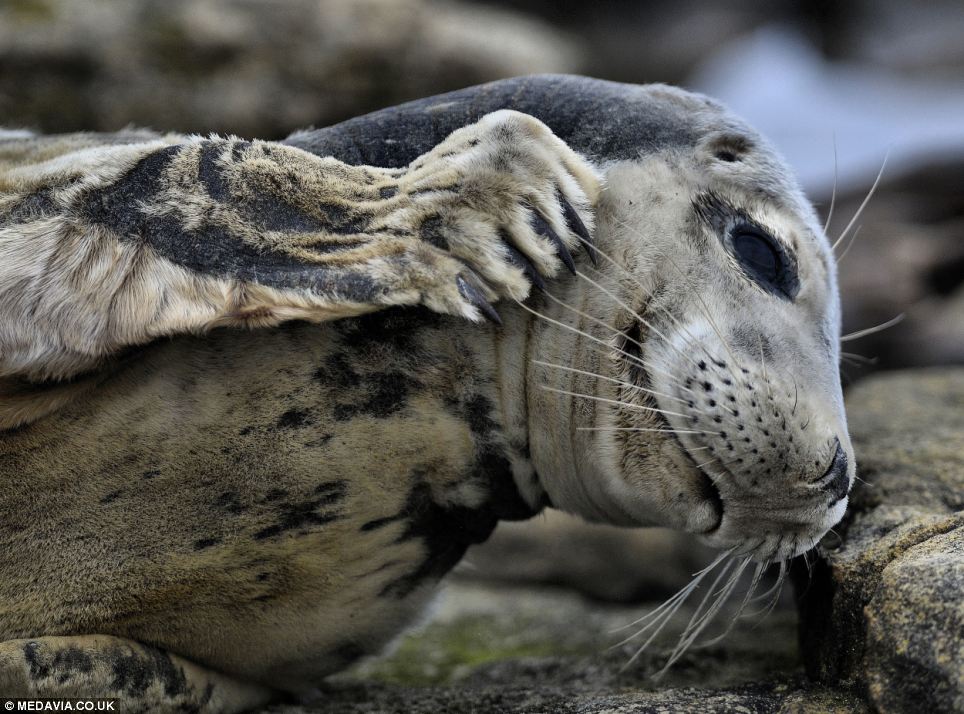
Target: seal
{"type": "Point", "coordinates": [208, 520]}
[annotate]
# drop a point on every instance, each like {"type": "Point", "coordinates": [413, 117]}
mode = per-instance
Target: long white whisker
{"type": "Point", "coordinates": [850, 244]}
{"type": "Point", "coordinates": [872, 330]}
{"type": "Point", "coordinates": [604, 343]}
{"type": "Point", "coordinates": [706, 310]}
{"type": "Point", "coordinates": [833, 195]}
{"type": "Point", "coordinates": [635, 314]}
{"type": "Point", "coordinates": [863, 205]}
{"type": "Point", "coordinates": [754, 584]}
{"type": "Point", "coordinates": [608, 379]}
{"type": "Point", "coordinates": [605, 400]}
{"type": "Point", "coordinates": [697, 628]}
{"type": "Point", "coordinates": [697, 577]}
{"type": "Point", "coordinates": [636, 428]}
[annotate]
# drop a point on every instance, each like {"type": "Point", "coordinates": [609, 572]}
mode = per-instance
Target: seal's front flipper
{"type": "Point", "coordinates": [112, 246]}
{"type": "Point", "coordinates": [142, 678]}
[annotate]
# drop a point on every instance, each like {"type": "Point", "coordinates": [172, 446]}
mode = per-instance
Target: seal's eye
{"type": "Point", "coordinates": [764, 260]}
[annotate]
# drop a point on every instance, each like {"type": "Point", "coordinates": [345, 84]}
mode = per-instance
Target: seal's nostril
{"type": "Point", "coordinates": [837, 483]}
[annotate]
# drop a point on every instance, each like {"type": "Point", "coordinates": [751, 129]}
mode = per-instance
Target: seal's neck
{"type": "Point", "coordinates": [553, 463]}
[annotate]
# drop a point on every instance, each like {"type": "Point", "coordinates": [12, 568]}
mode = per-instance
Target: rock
{"type": "Point", "coordinates": [510, 649]}
{"type": "Point", "coordinates": [258, 68]}
{"type": "Point", "coordinates": [603, 562]}
{"type": "Point", "coordinates": [884, 612]}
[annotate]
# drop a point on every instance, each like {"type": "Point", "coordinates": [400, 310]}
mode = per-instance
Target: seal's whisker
{"type": "Point", "coordinates": [688, 588]}
{"type": "Point", "coordinates": [615, 332]}
{"type": "Point", "coordinates": [664, 310]}
{"type": "Point", "coordinates": [850, 243]}
{"type": "Point", "coordinates": [776, 590]}
{"type": "Point", "coordinates": [667, 616]}
{"type": "Point", "coordinates": [635, 428]}
{"type": "Point", "coordinates": [607, 379]}
{"type": "Point", "coordinates": [705, 607]}
{"type": "Point", "coordinates": [696, 627]}
{"type": "Point", "coordinates": [606, 400]}
{"type": "Point", "coordinates": [873, 330]}
{"type": "Point", "coordinates": [833, 193]}
{"type": "Point", "coordinates": [705, 308]}
{"type": "Point", "coordinates": [604, 343]}
{"type": "Point", "coordinates": [862, 206]}
{"type": "Point", "coordinates": [754, 584]}
{"type": "Point", "coordinates": [636, 315]}
{"type": "Point", "coordinates": [656, 615]}
{"type": "Point", "coordinates": [856, 359]}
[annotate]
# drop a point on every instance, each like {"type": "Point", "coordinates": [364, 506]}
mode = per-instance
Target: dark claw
{"type": "Point", "coordinates": [541, 226]}
{"type": "Point", "coordinates": [471, 293]}
{"type": "Point", "coordinates": [527, 267]}
{"type": "Point", "coordinates": [578, 227]}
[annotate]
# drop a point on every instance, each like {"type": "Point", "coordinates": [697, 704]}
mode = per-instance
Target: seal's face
{"type": "Point", "coordinates": [721, 358]}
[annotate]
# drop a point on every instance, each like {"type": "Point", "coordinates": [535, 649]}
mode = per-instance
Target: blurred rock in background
{"type": "Point", "coordinates": [257, 68]}
{"type": "Point", "coordinates": [602, 562]}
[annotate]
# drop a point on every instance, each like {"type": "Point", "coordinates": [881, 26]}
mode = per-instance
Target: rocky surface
{"type": "Point", "coordinates": [257, 68]}
{"type": "Point", "coordinates": [885, 610]}
{"type": "Point", "coordinates": [508, 649]}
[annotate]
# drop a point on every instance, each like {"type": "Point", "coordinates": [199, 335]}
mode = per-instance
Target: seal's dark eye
{"type": "Point", "coordinates": [764, 261]}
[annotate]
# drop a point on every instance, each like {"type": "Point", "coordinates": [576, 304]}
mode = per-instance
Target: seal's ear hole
{"type": "Point", "coordinates": [730, 148]}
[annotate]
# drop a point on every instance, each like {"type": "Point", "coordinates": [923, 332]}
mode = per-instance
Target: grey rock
{"type": "Point", "coordinates": [884, 612]}
{"type": "Point", "coordinates": [508, 649]}
{"type": "Point", "coordinates": [257, 68]}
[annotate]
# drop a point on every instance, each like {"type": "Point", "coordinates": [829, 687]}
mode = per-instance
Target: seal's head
{"type": "Point", "coordinates": [704, 346]}
{"type": "Point", "coordinates": [707, 350]}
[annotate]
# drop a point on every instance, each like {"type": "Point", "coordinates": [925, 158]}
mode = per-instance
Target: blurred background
{"type": "Point", "coordinates": [837, 86]}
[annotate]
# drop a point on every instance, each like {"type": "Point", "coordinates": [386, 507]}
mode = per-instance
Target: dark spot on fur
{"type": "Point", "coordinates": [210, 174]}
{"type": "Point", "coordinates": [431, 232]}
{"type": "Point", "coordinates": [151, 473]}
{"type": "Point", "coordinates": [31, 207]}
{"type": "Point", "coordinates": [238, 150]}
{"type": "Point", "coordinates": [229, 501]}
{"type": "Point", "coordinates": [387, 394]}
{"type": "Point", "coordinates": [111, 497]}
{"type": "Point", "coordinates": [387, 191]}
{"type": "Point", "coordinates": [133, 672]}
{"type": "Point", "coordinates": [64, 664]}
{"type": "Point", "coordinates": [294, 419]}
{"type": "Point", "coordinates": [381, 522]}
{"type": "Point", "coordinates": [203, 543]}
{"type": "Point", "coordinates": [337, 371]}
{"type": "Point", "coordinates": [296, 515]}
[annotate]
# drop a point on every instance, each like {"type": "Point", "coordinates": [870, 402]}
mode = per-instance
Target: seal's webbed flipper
{"type": "Point", "coordinates": [111, 246]}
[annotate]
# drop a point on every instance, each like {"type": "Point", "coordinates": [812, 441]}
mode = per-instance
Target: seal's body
{"type": "Point", "coordinates": [203, 520]}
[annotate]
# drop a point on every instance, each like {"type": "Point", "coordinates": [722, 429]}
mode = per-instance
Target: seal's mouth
{"type": "Point", "coordinates": [708, 488]}
{"type": "Point", "coordinates": [710, 491]}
